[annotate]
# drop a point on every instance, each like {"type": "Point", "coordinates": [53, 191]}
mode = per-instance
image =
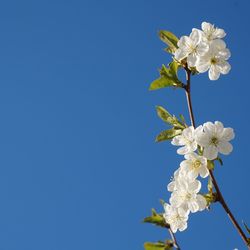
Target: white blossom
{"type": "Point", "coordinates": [215, 60]}
{"type": "Point", "coordinates": [186, 196]}
{"type": "Point", "coordinates": [176, 217]}
{"type": "Point", "coordinates": [214, 138]}
{"type": "Point", "coordinates": [186, 140]}
{"type": "Point", "coordinates": [178, 174]}
{"type": "Point", "coordinates": [194, 165]}
{"type": "Point", "coordinates": [191, 47]}
{"type": "Point", "coordinates": [210, 32]}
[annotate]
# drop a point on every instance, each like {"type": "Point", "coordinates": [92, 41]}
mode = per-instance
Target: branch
{"type": "Point", "coordinates": [175, 243]}
{"type": "Point", "coordinates": [221, 199]}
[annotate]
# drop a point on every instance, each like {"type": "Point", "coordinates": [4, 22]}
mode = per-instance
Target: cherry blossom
{"type": "Point", "coordinates": [214, 138]}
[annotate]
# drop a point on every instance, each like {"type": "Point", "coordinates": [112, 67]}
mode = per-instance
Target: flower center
{"type": "Point", "coordinates": [188, 196]}
{"type": "Point", "coordinates": [214, 141]}
{"type": "Point", "coordinates": [196, 164]}
{"type": "Point", "coordinates": [213, 60]}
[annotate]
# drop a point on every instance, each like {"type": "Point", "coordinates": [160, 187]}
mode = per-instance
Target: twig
{"type": "Point", "coordinates": [176, 245]}
{"type": "Point", "coordinates": [219, 194]}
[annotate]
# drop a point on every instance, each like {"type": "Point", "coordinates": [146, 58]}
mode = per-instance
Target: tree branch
{"type": "Point", "coordinates": [219, 194]}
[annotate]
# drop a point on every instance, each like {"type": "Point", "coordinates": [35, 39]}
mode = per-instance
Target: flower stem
{"type": "Point", "coordinates": [219, 194]}
{"type": "Point", "coordinates": [188, 95]}
{"type": "Point", "coordinates": [175, 243]}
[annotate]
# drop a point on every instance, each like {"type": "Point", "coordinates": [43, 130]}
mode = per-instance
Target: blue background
{"type": "Point", "coordinates": [79, 168]}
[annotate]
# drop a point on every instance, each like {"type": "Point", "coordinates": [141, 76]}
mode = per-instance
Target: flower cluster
{"type": "Point", "coordinates": [205, 50]}
{"type": "Point", "coordinates": [198, 146]}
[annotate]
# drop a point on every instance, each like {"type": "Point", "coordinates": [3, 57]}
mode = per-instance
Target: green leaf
{"type": "Point", "coordinates": [247, 228]}
{"type": "Point", "coordinates": [168, 77]}
{"type": "Point", "coordinates": [182, 119]}
{"type": "Point", "coordinates": [158, 245]}
{"type": "Point", "coordinates": [168, 134]}
{"type": "Point", "coordinates": [164, 115]}
{"type": "Point", "coordinates": [156, 219]}
{"type": "Point", "coordinates": [170, 39]}
{"type": "Point", "coordinates": [168, 118]}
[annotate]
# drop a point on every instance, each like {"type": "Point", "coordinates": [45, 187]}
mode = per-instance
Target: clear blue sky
{"type": "Point", "coordinates": [79, 168]}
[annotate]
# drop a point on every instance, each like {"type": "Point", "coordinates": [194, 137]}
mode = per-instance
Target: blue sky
{"type": "Point", "coordinates": [79, 168]}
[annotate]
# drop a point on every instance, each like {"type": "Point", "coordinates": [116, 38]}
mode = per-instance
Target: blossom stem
{"type": "Point", "coordinates": [188, 95]}
{"type": "Point", "coordinates": [219, 194]}
{"type": "Point", "coordinates": [176, 245]}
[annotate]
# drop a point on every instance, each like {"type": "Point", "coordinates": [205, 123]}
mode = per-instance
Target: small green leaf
{"type": "Point", "coordinates": [171, 72]}
{"type": "Point", "coordinates": [156, 219]}
{"type": "Point", "coordinates": [168, 77]}
{"type": "Point", "coordinates": [182, 119]}
{"type": "Point", "coordinates": [247, 228]}
{"type": "Point", "coordinates": [170, 39]}
{"type": "Point", "coordinates": [168, 118]}
{"type": "Point", "coordinates": [164, 115]}
{"type": "Point", "coordinates": [168, 134]}
{"type": "Point", "coordinates": [158, 245]}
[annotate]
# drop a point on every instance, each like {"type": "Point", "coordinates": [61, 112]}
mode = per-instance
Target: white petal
{"type": "Point", "coordinates": [180, 54]}
{"type": "Point", "coordinates": [218, 44]}
{"type": "Point", "coordinates": [183, 226]}
{"type": "Point", "coordinates": [218, 128]}
{"type": "Point", "coordinates": [224, 54]}
{"type": "Point", "coordinates": [192, 174]}
{"type": "Point", "coordinates": [188, 132]}
{"type": "Point", "coordinates": [171, 186]}
{"type": "Point", "coordinates": [204, 172]}
{"type": "Point", "coordinates": [183, 213]}
{"type": "Point", "coordinates": [194, 187]}
{"type": "Point", "coordinates": [203, 66]}
{"type": "Point", "coordinates": [203, 139]}
{"type": "Point", "coordinates": [210, 152]}
{"type": "Point", "coordinates": [209, 129]}
{"type": "Point", "coordinates": [213, 73]}
{"type": "Point", "coordinates": [193, 206]}
{"type": "Point", "coordinates": [228, 134]}
{"type": "Point", "coordinates": [224, 67]}
{"type": "Point", "coordinates": [202, 48]}
{"type": "Point", "coordinates": [206, 26]}
{"type": "Point", "coordinates": [178, 140]}
{"type": "Point", "coordinates": [184, 40]}
{"type": "Point", "coordinates": [183, 150]}
{"type": "Point", "coordinates": [201, 202]}
{"type": "Point", "coordinates": [219, 33]}
{"type": "Point", "coordinates": [192, 60]}
{"type": "Point", "coordinates": [225, 147]}
{"type": "Point", "coordinates": [192, 146]}
{"type": "Point", "coordinates": [195, 36]}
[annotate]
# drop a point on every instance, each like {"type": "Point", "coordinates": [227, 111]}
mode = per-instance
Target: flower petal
{"type": "Point", "coordinates": [228, 134]}
{"type": "Point", "coordinates": [210, 152]}
{"type": "Point", "coordinates": [213, 73]}
{"type": "Point", "coordinates": [225, 147]}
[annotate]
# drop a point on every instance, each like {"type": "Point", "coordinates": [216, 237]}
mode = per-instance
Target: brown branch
{"type": "Point", "coordinates": [228, 211]}
{"type": "Point", "coordinates": [219, 194]}
{"type": "Point", "coordinates": [175, 243]}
